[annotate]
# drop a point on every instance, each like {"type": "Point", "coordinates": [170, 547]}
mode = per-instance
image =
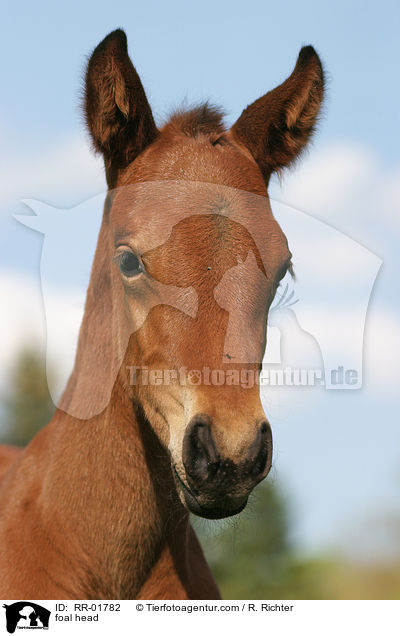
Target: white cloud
{"type": "Point", "coordinates": [301, 350]}
{"type": "Point", "coordinates": [23, 323]}
{"type": "Point", "coordinates": [62, 174]}
{"type": "Point", "coordinates": [327, 180]}
{"type": "Point", "coordinates": [349, 186]}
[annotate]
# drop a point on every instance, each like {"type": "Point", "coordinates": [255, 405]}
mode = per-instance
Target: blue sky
{"type": "Point", "coordinates": [228, 51]}
{"type": "Point", "coordinates": [231, 53]}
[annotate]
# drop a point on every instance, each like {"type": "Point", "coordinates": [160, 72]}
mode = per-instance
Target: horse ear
{"type": "Point", "coordinates": [118, 114]}
{"type": "Point", "coordinates": [276, 127]}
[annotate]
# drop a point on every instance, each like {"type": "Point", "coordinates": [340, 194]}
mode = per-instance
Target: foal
{"type": "Point", "coordinates": [188, 260]}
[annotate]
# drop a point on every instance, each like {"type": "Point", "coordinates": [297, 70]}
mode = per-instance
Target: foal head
{"type": "Point", "coordinates": [191, 256]}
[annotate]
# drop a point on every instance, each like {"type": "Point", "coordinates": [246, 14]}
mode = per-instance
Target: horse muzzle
{"type": "Point", "coordinates": [213, 485]}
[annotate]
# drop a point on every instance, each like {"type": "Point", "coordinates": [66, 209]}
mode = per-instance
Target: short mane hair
{"type": "Point", "coordinates": [203, 119]}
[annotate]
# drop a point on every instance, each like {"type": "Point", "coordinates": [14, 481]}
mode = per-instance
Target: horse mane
{"type": "Point", "coordinates": [203, 119]}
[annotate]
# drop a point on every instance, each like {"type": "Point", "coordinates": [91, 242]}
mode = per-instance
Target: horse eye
{"type": "Point", "coordinates": [129, 264]}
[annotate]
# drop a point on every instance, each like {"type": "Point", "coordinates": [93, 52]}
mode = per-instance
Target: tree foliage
{"type": "Point", "coordinates": [27, 405]}
{"type": "Point", "coordinates": [252, 557]}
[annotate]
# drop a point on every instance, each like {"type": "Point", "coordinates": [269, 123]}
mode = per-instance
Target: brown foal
{"type": "Point", "coordinates": [188, 260]}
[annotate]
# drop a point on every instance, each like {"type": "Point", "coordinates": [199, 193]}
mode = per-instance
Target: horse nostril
{"type": "Point", "coordinates": [199, 454]}
{"type": "Point", "coordinates": [261, 451]}
{"type": "Point", "coordinates": [213, 468]}
{"type": "Point", "coordinates": [203, 464]}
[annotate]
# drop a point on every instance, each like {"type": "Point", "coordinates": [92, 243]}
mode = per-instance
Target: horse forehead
{"type": "Point", "coordinates": [146, 214]}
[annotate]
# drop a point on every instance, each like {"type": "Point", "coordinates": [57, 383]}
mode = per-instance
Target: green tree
{"type": "Point", "coordinates": [26, 402]}
{"type": "Point", "coordinates": [253, 556]}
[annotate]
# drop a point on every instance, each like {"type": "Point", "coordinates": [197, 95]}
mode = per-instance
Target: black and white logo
{"type": "Point", "coordinates": [26, 615]}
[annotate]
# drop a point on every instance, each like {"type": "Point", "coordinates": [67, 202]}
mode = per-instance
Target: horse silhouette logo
{"type": "Point", "coordinates": [324, 308]}
{"type": "Point", "coordinates": [26, 615]}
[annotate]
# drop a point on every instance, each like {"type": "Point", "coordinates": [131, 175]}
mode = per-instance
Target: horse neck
{"type": "Point", "coordinates": [108, 498]}
{"type": "Point", "coordinates": [109, 477]}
